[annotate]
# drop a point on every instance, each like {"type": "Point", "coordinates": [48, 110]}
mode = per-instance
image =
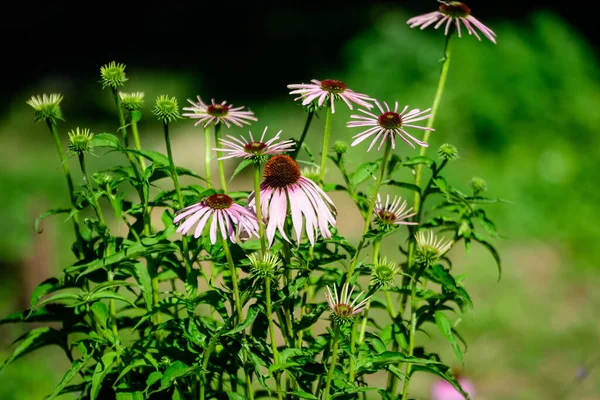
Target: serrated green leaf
{"type": "Point", "coordinates": [34, 340]}
{"type": "Point", "coordinates": [48, 214]}
{"type": "Point", "coordinates": [310, 319]}
{"type": "Point", "coordinates": [241, 166]}
{"type": "Point", "coordinates": [140, 271]}
{"type": "Point", "coordinates": [250, 317]}
{"type": "Point", "coordinates": [106, 140]}
{"type": "Point", "coordinates": [175, 370]}
{"type": "Point", "coordinates": [364, 171]}
{"type": "Point", "coordinates": [43, 289]}
{"type": "Point", "coordinates": [77, 366]}
{"type": "Point", "coordinates": [303, 395]}
{"type": "Point", "coordinates": [491, 249]}
{"type": "Point", "coordinates": [110, 284]}
{"type": "Point", "coordinates": [100, 312]}
{"type": "Point", "coordinates": [58, 297]}
{"type": "Point", "coordinates": [111, 296]}
{"type": "Point", "coordinates": [427, 161]}
{"type": "Point", "coordinates": [102, 369]}
{"type": "Point", "coordinates": [445, 327]}
{"type": "Point", "coordinates": [151, 155]}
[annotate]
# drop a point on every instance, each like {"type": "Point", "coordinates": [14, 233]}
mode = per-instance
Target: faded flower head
{"type": "Point", "coordinates": [329, 90]}
{"type": "Point", "coordinates": [80, 141]}
{"type": "Point", "coordinates": [256, 150]}
{"type": "Point", "coordinates": [340, 147]}
{"type": "Point", "coordinates": [263, 266]}
{"type": "Point", "coordinates": [383, 272]}
{"type": "Point", "coordinates": [47, 107]}
{"type": "Point", "coordinates": [392, 213]}
{"type": "Point", "coordinates": [448, 152]}
{"type": "Point", "coordinates": [218, 113]}
{"type": "Point", "coordinates": [166, 109]}
{"type": "Point", "coordinates": [478, 185]}
{"type": "Point", "coordinates": [283, 187]}
{"type": "Point", "coordinates": [226, 217]}
{"type": "Point", "coordinates": [132, 101]}
{"type": "Point", "coordinates": [388, 124]}
{"type": "Point", "coordinates": [343, 308]}
{"type": "Point", "coordinates": [113, 75]}
{"type": "Point", "coordinates": [453, 11]}
{"type": "Point", "coordinates": [430, 248]}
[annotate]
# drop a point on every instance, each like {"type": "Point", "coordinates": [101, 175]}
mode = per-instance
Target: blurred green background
{"type": "Point", "coordinates": [523, 114]}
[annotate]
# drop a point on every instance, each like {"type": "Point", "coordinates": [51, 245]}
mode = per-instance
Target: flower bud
{"type": "Point", "coordinates": [166, 109]}
{"type": "Point", "coordinates": [311, 173]}
{"type": "Point", "coordinates": [132, 101]}
{"type": "Point", "coordinates": [47, 107]}
{"type": "Point", "coordinates": [80, 141]}
{"type": "Point", "coordinates": [340, 147]}
{"type": "Point", "coordinates": [478, 185]}
{"type": "Point", "coordinates": [383, 273]}
{"type": "Point", "coordinates": [113, 75]}
{"type": "Point", "coordinates": [263, 267]}
{"type": "Point", "coordinates": [448, 152]}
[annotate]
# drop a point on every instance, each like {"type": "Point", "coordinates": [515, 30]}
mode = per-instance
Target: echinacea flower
{"type": "Point", "coordinates": [430, 248]}
{"type": "Point", "coordinates": [226, 216]}
{"type": "Point", "coordinates": [257, 150]}
{"type": "Point", "coordinates": [394, 213]}
{"type": "Point", "coordinates": [389, 124]}
{"type": "Point", "coordinates": [329, 89]}
{"type": "Point", "coordinates": [453, 11]}
{"type": "Point", "coordinates": [214, 113]}
{"type": "Point", "coordinates": [443, 390]}
{"type": "Point", "coordinates": [343, 308]}
{"type": "Point", "coordinates": [47, 107]}
{"type": "Point", "coordinates": [283, 185]}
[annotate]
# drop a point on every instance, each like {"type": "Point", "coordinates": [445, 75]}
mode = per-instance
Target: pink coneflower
{"type": "Point", "coordinates": [342, 308]}
{"type": "Point", "coordinates": [284, 184]}
{"type": "Point", "coordinates": [244, 148]}
{"type": "Point", "coordinates": [453, 11]}
{"type": "Point", "coordinates": [226, 216]}
{"type": "Point", "coordinates": [443, 390]}
{"type": "Point", "coordinates": [394, 213]}
{"type": "Point", "coordinates": [329, 89]}
{"type": "Point", "coordinates": [214, 113]}
{"type": "Point", "coordinates": [389, 124]}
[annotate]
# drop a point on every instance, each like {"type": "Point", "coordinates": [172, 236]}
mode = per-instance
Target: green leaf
{"type": "Point", "coordinates": [140, 271]}
{"type": "Point", "coordinates": [102, 369]}
{"type": "Point", "coordinates": [175, 370]}
{"type": "Point", "coordinates": [111, 296]}
{"type": "Point", "coordinates": [427, 161]}
{"type": "Point", "coordinates": [151, 155]}
{"type": "Point", "coordinates": [100, 312]}
{"type": "Point", "coordinates": [153, 378]}
{"type": "Point", "coordinates": [77, 366]}
{"type": "Point", "coordinates": [309, 319]}
{"type": "Point", "coordinates": [47, 214]}
{"type": "Point", "coordinates": [332, 187]}
{"type": "Point", "coordinates": [34, 340]}
{"type": "Point", "coordinates": [43, 289]}
{"type": "Point", "coordinates": [241, 166]}
{"type": "Point", "coordinates": [250, 317]}
{"type": "Point", "coordinates": [444, 278]}
{"type": "Point", "coordinates": [129, 396]}
{"type": "Point", "coordinates": [445, 327]}
{"type": "Point", "coordinates": [492, 250]}
{"type": "Point", "coordinates": [235, 396]}
{"type": "Point", "coordinates": [405, 185]}
{"type": "Point", "coordinates": [58, 297]}
{"type": "Point", "coordinates": [110, 284]}
{"type": "Point", "coordinates": [303, 395]}
{"type": "Point", "coordinates": [364, 171]}
{"type": "Point", "coordinates": [48, 313]}
{"type": "Point", "coordinates": [214, 298]}
{"type": "Point", "coordinates": [106, 140]}
{"type": "Point", "coordinates": [434, 369]}
{"type": "Point", "coordinates": [377, 362]}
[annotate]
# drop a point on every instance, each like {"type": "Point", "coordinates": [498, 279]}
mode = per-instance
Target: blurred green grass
{"type": "Point", "coordinates": [523, 115]}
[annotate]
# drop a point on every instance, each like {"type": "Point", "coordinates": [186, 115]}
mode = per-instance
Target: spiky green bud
{"type": "Point", "coordinates": [478, 185]}
{"type": "Point", "coordinates": [166, 109]}
{"type": "Point", "coordinates": [47, 107]}
{"type": "Point", "coordinates": [132, 101]}
{"type": "Point", "coordinates": [383, 273]}
{"type": "Point", "coordinates": [448, 152]}
{"type": "Point", "coordinates": [80, 141]}
{"type": "Point", "coordinates": [340, 147]}
{"type": "Point", "coordinates": [113, 75]}
{"type": "Point", "coordinates": [312, 173]}
{"type": "Point", "coordinates": [263, 267]}
{"type": "Point", "coordinates": [103, 179]}
{"type": "Point", "coordinates": [430, 248]}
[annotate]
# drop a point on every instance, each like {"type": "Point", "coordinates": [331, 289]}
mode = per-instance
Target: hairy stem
{"type": "Point", "coordinates": [276, 376]}
{"type": "Point", "coordinates": [219, 155]}
{"type": "Point", "coordinates": [326, 135]}
{"type": "Point", "coordinates": [309, 118]}
{"type": "Point", "coordinates": [207, 157]}
{"type": "Point", "coordinates": [331, 369]}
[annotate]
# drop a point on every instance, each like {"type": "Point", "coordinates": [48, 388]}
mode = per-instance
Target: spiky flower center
{"type": "Point", "coordinates": [281, 171]}
{"type": "Point", "coordinates": [332, 86]}
{"type": "Point", "coordinates": [390, 120]}
{"type": "Point", "coordinates": [219, 201]}
{"type": "Point", "coordinates": [256, 148]}
{"type": "Point", "coordinates": [217, 110]}
{"type": "Point", "coordinates": [384, 273]}
{"type": "Point", "coordinates": [341, 310]}
{"type": "Point", "coordinates": [386, 216]}
{"type": "Point", "coordinates": [455, 9]}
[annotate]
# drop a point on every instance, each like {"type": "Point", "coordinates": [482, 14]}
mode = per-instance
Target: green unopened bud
{"type": "Point", "coordinates": [312, 173]}
{"type": "Point", "coordinates": [103, 179]}
{"type": "Point", "coordinates": [166, 109]}
{"type": "Point", "coordinates": [478, 185]}
{"type": "Point", "coordinates": [383, 273]}
{"type": "Point", "coordinates": [448, 152]}
{"type": "Point", "coordinates": [132, 101]}
{"type": "Point", "coordinates": [430, 248]}
{"type": "Point", "coordinates": [340, 147]}
{"type": "Point", "coordinates": [113, 75]}
{"type": "Point", "coordinates": [80, 141]}
{"type": "Point", "coordinates": [263, 267]}
{"type": "Point", "coordinates": [47, 107]}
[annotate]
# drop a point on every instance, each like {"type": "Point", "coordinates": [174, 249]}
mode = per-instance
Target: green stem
{"type": "Point", "coordinates": [326, 135]}
{"type": "Point", "coordinates": [331, 369]}
{"type": "Point", "coordinates": [390, 305]}
{"type": "Point", "coordinates": [174, 176]}
{"type": "Point", "coordinates": [112, 309]}
{"type": "Point", "coordinates": [65, 166]}
{"type": "Point", "coordinates": [386, 154]}
{"type": "Point", "coordinates": [287, 259]}
{"type": "Point", "coordinates": [88, 182]}
{"type": "Point", "coordinates": [136, 141]}
{"type": "Point", "coordinates": [205, 358]}
{"type": "Point", "coordinates": [309, 118]}
{"type": "Point", "coordinates": [207, 157]}
{"type": "Point", "coordinates": [238, 308]}
{"type": "Point", "coordinates": [219, 155]}
{"type": "Point", "coordinates": [276, 376]}
{"type": "Point", "coordinates": [261, 225]}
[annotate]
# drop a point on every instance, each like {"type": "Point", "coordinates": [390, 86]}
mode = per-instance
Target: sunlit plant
{"type": "Point", "coordinates": [255, 294]}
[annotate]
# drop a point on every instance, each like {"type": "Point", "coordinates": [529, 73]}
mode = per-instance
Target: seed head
{"type": "Point", "coordinates": [47, 107]}
{"type": "Point", "coordinates": [264, 266]}
{"type": "Point", "coordinates": [132, 101]}
{"type": "Point", "coordinates": [448, 152]}
{"type": "Point", "coordinates": [80, 141]}
{"type": "Point", "coordinates": [113, 75]}
{"type": "Point", "coordinates": [383, 273]}
{"type": "Point", "coordinates": [166, 109]}
{"type": "Point", "coordinates": [430, 248]}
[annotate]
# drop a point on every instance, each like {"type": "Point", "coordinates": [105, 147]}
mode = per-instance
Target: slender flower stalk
{"type": "Point", "coordinates": [205, 358]}
{"type": "Point", "coordinates": [258, 208]}
{"type": "Point", "coordinates": [220, 158]}
{"type": "Point", "coordinates": [326, 134]}
{"type": "Point", "coordinates": [133, 102]}
{"type": "Point", "coordinates": [309, 117]}
{"type": "Point", "coordinates": [272, 334]}
{"type": "Point", "coordinates": [332, 364]}
{"type": "Point", "coordinates": [207, 157]}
